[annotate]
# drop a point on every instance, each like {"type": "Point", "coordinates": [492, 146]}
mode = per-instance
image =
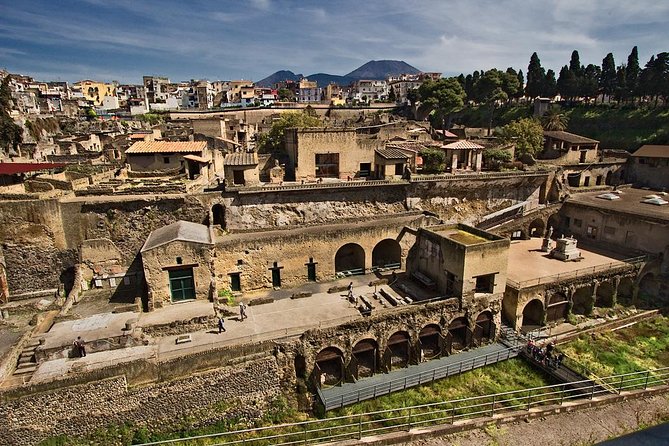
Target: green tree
{"type": "Point", "coordinates": [286, 95]}
{"type": "Point", "coordinates": [521, 83]}
{"type": "Point", "coordinates": [553, 120]}
{"type": "Point", "coordinates": [535, 77]}
{"type": "Point", "coordinates": [550, 85]}
{"type": "Point", "coordinates": [575, 64]}
{"type": "Point", "coordinates": [490, 91]}
{"type": "Point", "coordinates": [273, 141]}
{"type": "Point", "coordinates": [434, 160]}
{"type": "Point", "coordinates": [526, 133]}
{"type": "Point", "coordinates": [11, 134]}
{"type": "Point", "coordinates": [567, 84]}
{"type": "Point", "coordinates": [392, 97]}
{"type": "Point", "coordinates": [412, 96]}
{"type": "Point", "coordinates": [632, 71]}
{"type": "Point", "coordinates": [589, 82]}
{"type": "Point", "coordinates": [607, 80]}
{"type": "Point", "coordinates": [443, 97]}
{"type": "Point", "coordinates": [494, 158]}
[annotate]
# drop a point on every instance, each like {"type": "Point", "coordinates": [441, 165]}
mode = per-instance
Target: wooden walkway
{"type": "Point", "coordinates": [414, 375]}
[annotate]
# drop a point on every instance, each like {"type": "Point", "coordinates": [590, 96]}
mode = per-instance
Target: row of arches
{"type": "Point", "coordinates": [583, 299]}
{"type": "Point", "coordinates": [369, 357]}
{"type": "Point", "coordinates": [350, 258]}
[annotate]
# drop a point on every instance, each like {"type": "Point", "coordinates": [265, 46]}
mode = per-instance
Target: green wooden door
{"type": "Point", "coordinates": [182, 285]}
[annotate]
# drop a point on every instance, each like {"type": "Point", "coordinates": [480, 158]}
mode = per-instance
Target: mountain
{"type": "Point", "coordinates": [374, 69]}
{"type": "Point", "coordinates": [278, 77]}
{"type": "Point", "coordinates": [381, 69]}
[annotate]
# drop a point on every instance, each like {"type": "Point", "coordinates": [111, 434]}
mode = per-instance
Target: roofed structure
{"type": "Point", "coordinates": [240, 159]}
{"type": "Point", "coordinates": [463, 144]}
{"type": "Point", "coordinates": [652, 151]}
{"type": "Point", "coordinates": [167, 147]}
{"type": "Point", "coordinates": [184, 231]}
{"type": "Point", "coordinates": [390, 153]}
{"type": "Point", "coordinates": [569, 137]}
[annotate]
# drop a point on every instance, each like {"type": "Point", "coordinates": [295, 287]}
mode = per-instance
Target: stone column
{"type": "Point", "coordinates": [593, 298]}
{"type": "Point", "coordinates": [614, 297]}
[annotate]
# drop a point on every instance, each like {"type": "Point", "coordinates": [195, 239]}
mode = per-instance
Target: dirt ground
{"type": "Point", "coordinates": [582, 428]}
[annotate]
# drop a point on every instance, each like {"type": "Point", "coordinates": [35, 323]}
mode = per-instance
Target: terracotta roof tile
{"type": "Point", "coordinates": [167, 147]}
{"type": "Point", "coordinates": [569, 137]}
{"type": "Point", "coordinates": [653, 151]}
{"type": "Point", "coordinates": [463, 144]}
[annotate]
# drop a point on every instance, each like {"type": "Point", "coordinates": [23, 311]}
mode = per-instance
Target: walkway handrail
{"type": "Point", "coordinates": [499, 356]}
{"type": "Point", "coordinates": [354, 426]}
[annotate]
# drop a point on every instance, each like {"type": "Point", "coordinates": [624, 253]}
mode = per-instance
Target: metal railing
{"type": "Point", "coordinates": [622, 264]}
{"type": "Point", "coordinates": [416, 379]}
{"type": "Point", "coordinates": [356, 426]}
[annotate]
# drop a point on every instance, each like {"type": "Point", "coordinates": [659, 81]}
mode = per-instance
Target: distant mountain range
{"type": "Point", "coordinates": [374, 69]}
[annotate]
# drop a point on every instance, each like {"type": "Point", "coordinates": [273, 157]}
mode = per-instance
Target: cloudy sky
{"type": "Point", "coordinates": [249, 39]}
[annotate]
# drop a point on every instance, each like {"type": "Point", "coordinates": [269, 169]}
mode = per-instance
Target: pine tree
{"type": "Point", "coordinates": [567, 84]}
{"type": "Point", "coordinates": [607, 80]}
{"type": "Point", "coordinates": [550, 85]}
{"type": "Point", "coordinates": [521, 82]}
{"type": "Point", "coordinates": [575, 64]}
{"type": "Point", "coordinates": [632, 72]}
{"type": "Point", "coordinates": [535, 77]}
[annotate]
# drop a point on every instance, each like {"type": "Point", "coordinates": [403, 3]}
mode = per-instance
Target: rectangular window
{"type": "Point", "coordinates": [365, 169]}
{"type": "Point", "coordinates": [327, 165]}
{"type": "Point", "coordinates": [166, 159]}
{"type": "Point", "coordinates": [578, 222]}
{"type": "Point", "coordinates": [485, 283]}
{"type": "Point", "coordinates": [591, 231]}
{"type": "Point", "coordinates": [399, 168]}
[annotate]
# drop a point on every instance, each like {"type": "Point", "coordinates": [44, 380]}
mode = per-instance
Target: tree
{"type": "Point", "coordinates": [607, 80]}
{"type": "Point", "coordinates": [526, 133]}
{"type": "Point", "coordinates": [575, 64]}
{"type": "Point", "coordinates": [521, 82]}
{"type": "Point", "coordinates": [589, 82]}
{"type": "Point", "coordinates": [11, 134]}
{"type": "Point", "coordinates": [632, 72]}
{"type": "Point", "coordinates": [433, 160]}
{"type": "Point", "coordinates": [412, 96]}
{"type": "Point", "coordinates": [392, 97]}
{"type": "Point", "coordinates": [511, 84]}
{"type": "Point", "coordinates": [490, 90]}
{"type": "Point", "coordinates": [550, 85]}
{"type": "Point", "coordinates": [535, 77]}
{"type": "Point", "coordinates": [443, 97]}
{"type": "Point", "coordinates": [494, 158]}
{"type": "Point", "coordinates": [567, 84]}
{"type": "Point", "coordinates": [286, 95]}
{"type": "Point", "coordinates": [553, 120]}
{"type": "Point", "coordinates": [273, 140]}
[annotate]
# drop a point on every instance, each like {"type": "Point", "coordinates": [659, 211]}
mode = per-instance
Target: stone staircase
{"type": "Point", "coordinates": [27, 364]}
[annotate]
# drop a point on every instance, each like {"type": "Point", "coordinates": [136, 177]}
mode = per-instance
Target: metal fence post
{"type": "Point", "coordinates": [645, 384]}
{"type": "Point", "coordinates": [592, 390]}
{"type": "Point", "coordinates": [409, 424]}
{"type": "Point", "coordinates": [359, 427]}
{"type": "Point", "coordinates": [305, 434]}
{"type": "Point", "coordinates": [528, 400]}
{"type": "Point", "coordinates": [492, 407]}
{"type": "Point", "coordinates": [562, 394]}
{"type": "Point", "coordinates": [620, 384]}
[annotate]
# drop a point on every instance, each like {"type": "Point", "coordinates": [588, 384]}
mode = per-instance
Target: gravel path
{"type": "Point", "coordinates": [581, 428]}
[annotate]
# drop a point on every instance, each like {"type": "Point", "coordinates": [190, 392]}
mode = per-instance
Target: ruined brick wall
{"type": "Point", "coordinates": [242, 391]}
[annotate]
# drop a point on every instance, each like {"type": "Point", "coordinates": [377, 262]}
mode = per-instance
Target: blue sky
{"type": "Point", "coordinates": [249, 39]}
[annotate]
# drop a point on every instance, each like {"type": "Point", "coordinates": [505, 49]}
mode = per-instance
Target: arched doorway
{"type": "Point", "coordinates": [329, 367]}
{"type": "Point", "coordinates": [625, 291]}
{"type": "Point", "coordinates": [604, 295]}
{"type": "Point", "coordinates": [484, 331]}
{"type": "Point", "coordinates": [557, 308]}
{"type": "Point", "coordinates": [364, 359]}
{"type": "Point", "coordinates": [430, 341]}
{"type": "Point", "coordinates": [609, 176]}
{"type": "Point", "coordinates": [582, 301]}
{"type": "Point", "coordinates": [350, 259]}
{"type": "Point", "coordinates": [533, 315]}
{"type": "Point", "coordinates": [398, 353]}
{"type": "Point", "coordinates": [459, 334]}
{"type": "Point", "coordinates": [537, 228]}
{"type": "Point", "coordinates": [218, 212]}
{"type": "Point", "coordinates": [387, 254]}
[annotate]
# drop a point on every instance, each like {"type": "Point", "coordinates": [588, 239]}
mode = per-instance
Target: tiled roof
{"type": "Point", "coordinates": [446, 133]}
{"type": "Point", "coordinates": [463, 144]}
{"type": "Point", "coordinates": [412, 146]}
{"type": "Point", "coordinates": [167, 147]}
{"type": "Point", "coordinates": [13, 168]}
{"type": "Point", "coordinates": [185, 231]}
{"type": "Point", "coordinates": [653, 151]}
{"type": "Point", "coordinates": [569, 137]}
{"type": "Point", "coordinates": [196, 158]}
{"type": "Point", "coordinates": [392, 154]}
{"type": "Point", "coordinates": [240, 159]}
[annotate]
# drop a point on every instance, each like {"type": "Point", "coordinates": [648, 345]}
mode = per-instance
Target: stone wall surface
{"type": "Point", "coordinates": [242, 391]}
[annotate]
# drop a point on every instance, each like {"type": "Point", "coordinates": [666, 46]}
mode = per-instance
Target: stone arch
{"type": "Point", "coordinates": [533, 314]}
{"type": "Point", "coordinates": [458, 332]}
{"type": "Point", "coordinates": [350, 258]}
{"type": "Point", "coordinates": [485, 327]}
{"type": "Point", "coordinates": [430, 341]}
{"type": "Point", "coordinates": [330, 366]}
{"type": "Point", "coordinates": [398, 352]}
{"type": "Point", "coordinates": [387, 253]}
{"type": "Point", "coordinates": [625, 293]}
{"type": "Point", "coordinates": [537, 228]}
{"type": "Point", "coordinates": [364, 358]}
{"type": "Point", "coordinates": [218, 214]}
{"type": "Point", "coordinates": [582, 301]}
{"type": "Point", "coordinates": [605, 295]}
{"type": "Point", "coordinates": [609, 177]}
{"type": "Point", "coordinates": [557, 307]}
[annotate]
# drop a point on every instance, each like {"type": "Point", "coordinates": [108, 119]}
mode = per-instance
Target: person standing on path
{"type": "Point", "coordinates": [350, 292]}
{"type": "Point", "coordinates": [82, 347]}
{"type": "Point", "coordinates": [242, 311]}
{"type": "Point", "coordinates": [221, 324]}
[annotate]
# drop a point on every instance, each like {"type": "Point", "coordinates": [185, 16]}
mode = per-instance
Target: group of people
{"type": "Point", "coordinates": [547, 355]}
{"type": "Point", "coordinates": [242, 316]}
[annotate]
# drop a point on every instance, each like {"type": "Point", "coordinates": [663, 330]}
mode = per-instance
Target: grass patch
{"type": "Point", "coordinates": [640, 347]}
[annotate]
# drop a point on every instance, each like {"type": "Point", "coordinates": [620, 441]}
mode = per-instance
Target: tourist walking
{"type": "Point", "coordinates": [221, 324]}
{"type": "Point", "coordinates": [350, 292]}
{"type": "Point", "coordinates": [79, 347]}
{"type": "Point", "coordinates": [242, 311]}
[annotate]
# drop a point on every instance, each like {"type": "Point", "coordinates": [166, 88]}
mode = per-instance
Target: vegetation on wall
{"type": "Point", "coordinates": [527, 134]}
{"type": "Point", "coordinates": [273, 141]}
{"type": "Point", "coordinates": [11, 134]}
